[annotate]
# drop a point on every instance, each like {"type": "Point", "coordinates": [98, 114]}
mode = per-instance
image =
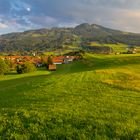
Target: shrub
{"type": "Point", "coordinates": [29, 67]}
{"type": "Point", "coordinates": [25, 68]}
{"type": "Point", "coordinates": [3, 67]}
{"type": "Point", "coordinates": [19, 69]}
{"type": "Point", "coordinates": [10, 64]}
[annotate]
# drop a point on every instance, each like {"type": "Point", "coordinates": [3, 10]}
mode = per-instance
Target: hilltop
{"type": "Point", "coordinates": [64, 38]}
{"type": "Point", "coordinates": [102, 34]}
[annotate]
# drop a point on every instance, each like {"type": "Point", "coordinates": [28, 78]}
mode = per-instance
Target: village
{"type": "Point", "coordinates": [39, 61]}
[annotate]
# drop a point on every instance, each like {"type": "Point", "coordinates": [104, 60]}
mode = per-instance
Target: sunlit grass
{"type": "Point", "coordinates": [115, 47]}
{"type": "Point", "coordinates": [96, 98]}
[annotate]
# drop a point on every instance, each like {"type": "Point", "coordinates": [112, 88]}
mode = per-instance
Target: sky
{"type": "Point", "coordinates": [21, 15]}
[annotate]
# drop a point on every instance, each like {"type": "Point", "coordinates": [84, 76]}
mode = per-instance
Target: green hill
{"type": "Point", "coordinates": [64, 38]}
{"type": "Point", "coordinates": [104, 35]}
{"type": "Point", "coordinates": [37, 40]}
{"type": "Point", "coordinates": [95, 98]}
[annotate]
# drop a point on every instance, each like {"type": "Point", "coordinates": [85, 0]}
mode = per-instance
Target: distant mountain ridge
{"type": "Point", "coordinates": [56, 38]}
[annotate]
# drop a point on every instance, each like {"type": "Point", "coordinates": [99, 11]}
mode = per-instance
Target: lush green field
{"type": "Point", "coordinates": [120, 47]}
{"type": "Point", "coordinates": [96, 98]}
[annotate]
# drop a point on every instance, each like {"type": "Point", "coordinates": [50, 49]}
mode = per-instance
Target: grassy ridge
{"type": "Point", "coordinates": [120, 47]}
{"type": "Point", "coordinates": [96, 98]}
{"type": "Point", "coordinates": [115, 47]}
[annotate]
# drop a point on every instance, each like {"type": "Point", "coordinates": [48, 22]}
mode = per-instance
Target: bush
{"type": "Point", "coordinates": [3, 67]}
{"type": "Point", "coordinates": [29, 67]}
{"type": "Point", "coordinates": [10, 64]}
{"type": "Point", "coordinates": [19, 69]}
{"type": "Point", "coordinates": [25, 68]}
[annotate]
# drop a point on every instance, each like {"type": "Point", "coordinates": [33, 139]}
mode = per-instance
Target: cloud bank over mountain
{"type": "Point", "coordinates": [20, 15]}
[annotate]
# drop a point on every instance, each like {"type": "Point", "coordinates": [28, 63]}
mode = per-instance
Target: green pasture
{"type": "Point", "coordinates": [97, 98]}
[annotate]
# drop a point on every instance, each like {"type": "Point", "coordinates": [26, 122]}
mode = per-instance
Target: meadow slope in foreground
{"type": "Point", "coordinates": [97, 98]}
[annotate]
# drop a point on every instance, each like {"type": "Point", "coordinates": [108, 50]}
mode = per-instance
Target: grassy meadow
{"type": "Point", "coordinates": [97, 98]}
{"type": "Point", "coordinates": [120, 47]}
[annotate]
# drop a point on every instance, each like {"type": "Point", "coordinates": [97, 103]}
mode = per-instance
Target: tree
{"type": "Point", "coordinates": [50, 60]}
{"type": "Point", "coordinates": [3, 67]}
{"type": "Point", "coordinates": [25, 68]}
{"type": "Point", "coordinates": [10, 64]}
{"type": "Point", "coordinates": [19, 69]}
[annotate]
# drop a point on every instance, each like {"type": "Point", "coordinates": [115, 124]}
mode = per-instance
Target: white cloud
{"type": "Point", "coordinates": [2, 26]}
{"type": "Point", "coordinates": [117, 14]}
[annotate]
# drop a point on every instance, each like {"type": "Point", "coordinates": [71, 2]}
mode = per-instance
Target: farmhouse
{"type": "Point", "coordinates": [58, 60]}
{"type": "Point", "coordinates": [63, 59]}
{"type": "Point", "coordinates": [52, 67]}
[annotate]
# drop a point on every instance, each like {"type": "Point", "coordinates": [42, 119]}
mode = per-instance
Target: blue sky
{"type": "Point", "coordinates": [20, 15]}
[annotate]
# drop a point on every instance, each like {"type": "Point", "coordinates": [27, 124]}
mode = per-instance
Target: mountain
{"type": "Point", "coordinates": [57, 38]}
{"type": "Point", "coordinates": [41, 39]}
{"type": "Point", "coordinates": [102, 34]}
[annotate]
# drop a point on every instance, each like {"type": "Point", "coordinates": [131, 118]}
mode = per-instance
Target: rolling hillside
{"type": "Point", "coordinates": [96, 98]}
{"type": "Point", "coordinates": [102, 34]}
{"type": "Point", "coordinates": [62, 38]}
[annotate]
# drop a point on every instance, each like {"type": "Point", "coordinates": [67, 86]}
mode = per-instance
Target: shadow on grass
{"type": "Point", "coordinates": [11, 73]}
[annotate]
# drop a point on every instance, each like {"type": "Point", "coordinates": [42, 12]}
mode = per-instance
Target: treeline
{"type": "Point", "coordinates": [98, 49]}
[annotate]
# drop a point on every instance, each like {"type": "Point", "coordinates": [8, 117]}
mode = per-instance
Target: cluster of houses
{"type": "Point", "coordinates": [38, 60]}
{"type": "Point", "coordinates": [62, 60]}
{"type": "Point", "coordinates": [22, 59]}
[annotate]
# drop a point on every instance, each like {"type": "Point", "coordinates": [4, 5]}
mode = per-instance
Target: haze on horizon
{"type": "Point", "coordinates": [21, 15]}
